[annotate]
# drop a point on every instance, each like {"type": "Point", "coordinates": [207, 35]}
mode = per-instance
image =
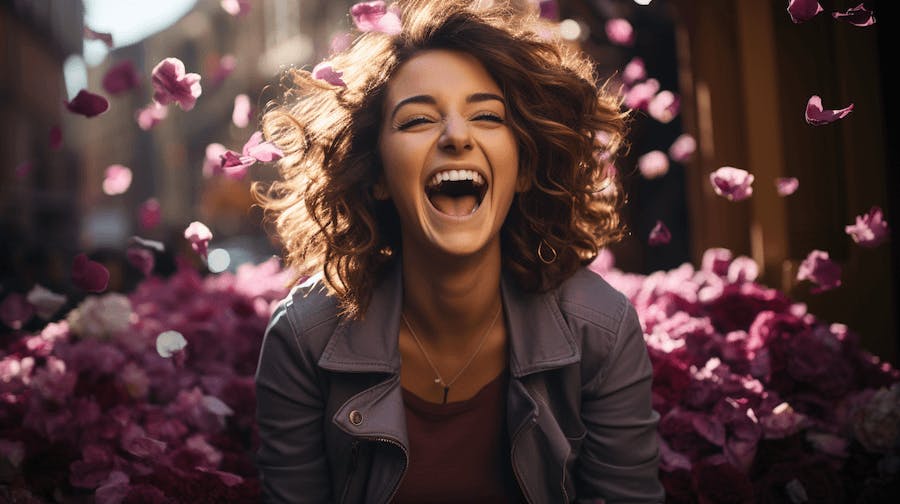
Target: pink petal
{"type": "Point", "coordinates": [660, 234]}
{"type": "Point", "coordinates": [121, 77]}
{"type": "Point", "coordinates": [816, 116]}
{"type": "Point", "coordinates": [242, 112]}
{"type": "Point", "coordinates": [142, 259]}
{"type": "Point", "coordinates": [224, 66]}
{"type": "Point", "coordinates": [548, 9]}
{"type": "Point", "coordinates": [786, 185]}
{"type": "Point", "coordinates": [265, 152]}
{"type": "Point", "coordinates": [340, 42]}
{"type": "Point", "coordinates": [15, 310]}
{"type": "Point", "coordinates": [870, 229]}
{"type": "Point", "coordinates": [803, 10]}
{"type": "Point", "coordinates": [620, 32]}
{"type": "Point", "coordinates": [821, 270]}
{"type": "Point", "coordinates": [634, 71]}
{"type": "Point", "coordinates": [375, 17]}
{"type": "Point", "coordinates": [90, 34]}
{"type": "Point", "coordinates": [46, 302]}
{"type": "Point", "coordinates": [324, 72]}
{"type": "Point", "coordinates": [639, 95]}
{"type": "Point", "coordinates": [682, 148]}
{"type": "Point", "coordinates": [664, 106]}
{"type": "Point", "coordinates": [172, 84]}
{"type": "Point", "coordinates": [212, 163]}
{"type": "Point", "coordinates": [23, 169]}
{"type": "Point", "coordinates": [199, 236]}
{"type": "Point", "coordinates": [236, 7]}
{"type": "Point", "coordinates": [89, 275]}
{"type": "Point", "coordinates": [235, 166]}
{"type": "Point", "coordinates": [653, 164]}
{"type": "Point", "coordinates": [151, 115]}
{"type": "Point", "coordinates": [149, 214]}
{"type": "Point", "coordinates": [732, 183]}
{"type": "Point", "coordinates": [742, 269]}
{"type": "Point", "coordinates": [87, 104]}
{"type": "Point", "coordinates": [117, 180]}
{"type": "Point", "coordinates": [147, 244]}
{"type": "Point", "coordinates": [229, 479]}
{"type": "Point", "coordinates": [857, 16]}
{"type": "Point", "coordinates": [55, 138]}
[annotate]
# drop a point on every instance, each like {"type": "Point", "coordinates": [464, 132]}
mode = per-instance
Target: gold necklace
{"type": "Point", "coordinates": [440, 380]}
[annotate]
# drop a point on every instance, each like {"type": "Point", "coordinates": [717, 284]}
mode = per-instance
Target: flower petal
{"type": "Point", "coordinates": [55, 138]}
{"type": "Point", "coordinates": [242, 111]}
{"type": "Point", "coordinates": [149, 214]}
{"type": "Point", "coordinates": [117, 180]}
{"type": "Point", "coordinates": [199, 236]}
{"type": "Point", "coordinates": [635, 71]}
{"type": "Point", "coordinates": [148, 244]}
{"type": "Point", "coordinates": [857, 16]}
{"type": "Point", "coordinates": [324, 72]}
{"type": "Point", "coordinates": [664, 106]}
{"type": "Point", "coordinates": [23, 169]}
{"type": "Point", "coordinates": [15, 310]}
{"type": "Point", "coordinates": [150, 115]}
{"type": "Point", "coordinates": [548, 9]}
{"type": "Point", "coordinates": [222, 68]}
{"type": "Point", "coordinates": [87, 104]}
{"type": "Point", "coordinates": [620, 32]}
{"type": "Point", "coordinates": [172, 84]}
{"type": "Point", "coordinates": [235, 166]}
{"type": "Point", "coordinates": [261, 151]}
{"type": "Point", "coordinates": [375, 17]}
{"type": "Point", "coordinates": [212, 162]}
{"type": "Point", "coordinates": [106, 38]}
{"type": "Point", "coordinates": [89, 275]}
{"type": "Point", "coordinates": [870, 229]}
{"type": "Point", "coordinates": [236, 7]}
{"type": "Point", "coordinates": [682, 148]}
{"type": "Point", "coordinates": [340, 42]}
{"type": "Point", "coordinates": [653, 164]}
{"type": "Point", "coordinates": [816, 116]}
{"type": "Point", "coordinates": [821, 270]}
{"type": "Point", "coordinates": [46, 302]}
{"type": "Point", "coordinates": [786, 185]}
{"type": "Point", "coordinates": [169, 342]}
{"type": "Point", "coordinates": [121, 77]}
{"type": "Point", "coordinates": [660, 234]}
{"type": "Point", "coordinates": [803, 10]}
{"type": "Point", "coordinates": [142, 259]}
{"type": "Point", "coordinates": [732, 183]}
{"type": "Point", "coordinates": [639, 95]}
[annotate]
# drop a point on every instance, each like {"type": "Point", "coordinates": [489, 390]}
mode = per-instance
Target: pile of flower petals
{"type": "Point", "coordinates": [758, 399]}
{"type": "Point", "coordinates": [91, 410]}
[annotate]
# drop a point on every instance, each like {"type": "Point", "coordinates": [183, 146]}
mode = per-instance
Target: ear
{"type": "Point", "coordinates": [379, 189]}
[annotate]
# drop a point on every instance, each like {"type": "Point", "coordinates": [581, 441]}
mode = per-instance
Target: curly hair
{"type": "Point", "coordinates": [566, 124]}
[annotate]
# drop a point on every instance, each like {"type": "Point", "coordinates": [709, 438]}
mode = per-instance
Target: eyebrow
{"type": "Point", "coordinates": [428, 99]}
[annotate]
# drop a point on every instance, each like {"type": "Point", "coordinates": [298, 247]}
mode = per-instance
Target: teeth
{"type": "Point", "coordinates": [472, 175]}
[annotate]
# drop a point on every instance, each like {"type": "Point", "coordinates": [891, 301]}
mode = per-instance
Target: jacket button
{"type": "Point", "coordinates": [356, 417]}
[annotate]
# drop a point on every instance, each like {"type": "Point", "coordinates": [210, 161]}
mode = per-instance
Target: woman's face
{"type": "Point", "coordinates": [450, 160]}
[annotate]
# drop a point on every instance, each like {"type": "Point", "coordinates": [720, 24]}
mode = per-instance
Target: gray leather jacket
{"type": "Point", "coordinates": [332, 424]}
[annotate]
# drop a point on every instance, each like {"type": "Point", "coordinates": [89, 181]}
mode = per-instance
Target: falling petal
{"type": "Point", "coordinates": [236, 166]}
{"type": "Point", "coordinates": [324, 72]}
{"type": "Point", "coordinates": [23, 169]}
{"type": "Point", "coordinates": [870, 229]}
{"type": "Point", "coordinates": [548, 9]}
{"type": "Point", "coordinates": [816, 116]}
{"type": "Point", "coordinates": [15, 310]}
{"type": "Point", "coordinates": [170, 342]}
{"type": "Point", "coordinates": [216, 406]}
{"type": "Point", "coordinates": [199, 236]}
{"type": "Point", "coordinates": [87, 104]}
{"type": "Point", "coordinates": [242, 112]}
{"type": "Point", "coordinates": [653, 164]}
{"type": "Point", "coordinates": [222, 68]}
{"type": "Point", "coordinates": [149, 214]}
{"type": "Point", "coordinates": [664, 106]}
{"type": "Point", "coordinates": [635, 71]}
{"type": "Point", "coordinates": [89, 275]}
{"type": "Point", "coordinates": [682, 148]}
{"type": "Point", "coordinates": [212, 163]}
{"type": "Point", "coordinates": [659, 235]}
{"type": "Point", "coordinates": [172, 84]}
{"type": "Point", "coordinates": [236, 7]}
{"type": "Point", "coordinates": [639, 95]}
{"type": "Point", "coordinates": [142, 259]}
{"type": "Point", "coordinates": [117, 180]}
{"type": "Point", "coordinates": [106, 38]}
{"type": "Point", "coordinates": [55, 138]}
{"type": "Point", "coordinates": [857, 16]}
{"type": "Point", "coordinates": [732, 183]}
{"type": "Point", "coordinates": [227, 478]}
{"type": "Point", "coordinates": [340, 42]}
{"type": "Point", "coordinates": [121, 77]}
{"type": "Point", "coordinates": [803, 10]}
{"type": "Point", "coordinates": [259, 150]}
{"type": "Point", "coordinates": [820, 270]}
{"type": "Point", "coordinates": [375, 17]}
{"type": "Point", "coordinates": [151, 115]}
{"type": "Point", "coordinates": [620, 32]}
{"type": "Point", "coordinates": [46, 302]}
{"type": "Point", "coordinates": [148, 244]}
{"type": "Point", "coordinates": [787, 185]}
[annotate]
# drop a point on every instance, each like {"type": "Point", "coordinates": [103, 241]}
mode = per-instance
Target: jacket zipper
{"type": "Point", "coordinates": [354, 452]}
{"type": "Point", "coordinates": [405, 463]}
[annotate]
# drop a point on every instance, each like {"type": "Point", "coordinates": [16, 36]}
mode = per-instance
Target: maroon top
{"type": "Point", "coordinates": [459, 451]}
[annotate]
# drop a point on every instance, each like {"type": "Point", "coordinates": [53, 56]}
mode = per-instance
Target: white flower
{"type": "Point", "coordinates": [169, 342]}
{"type": "Point", "coordinates": [101, 316]}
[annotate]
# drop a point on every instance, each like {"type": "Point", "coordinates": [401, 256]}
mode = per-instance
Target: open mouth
{"type": "Point", "coordinates": [456, 192]}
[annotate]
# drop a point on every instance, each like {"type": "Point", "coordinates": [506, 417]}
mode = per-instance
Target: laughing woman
{"type": "Point", "coordinates": [444, 183]}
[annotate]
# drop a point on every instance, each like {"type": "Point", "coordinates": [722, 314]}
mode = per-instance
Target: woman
{"type": "Point", "coordinates": [446, 184]}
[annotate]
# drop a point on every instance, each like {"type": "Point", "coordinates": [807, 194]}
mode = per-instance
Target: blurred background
{"type": "Point", "coordinates": [742, 69]}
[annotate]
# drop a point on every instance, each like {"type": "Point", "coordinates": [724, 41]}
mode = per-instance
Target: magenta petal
{"type": "Point", "coordinates": [870, 229]}
{"type": "Point", "coordinates": [639, 95]}
{"type": "Point", "coordinates": [15, 310]}
{"type": "Point", "coordinates": [235, 166]}
{"type": "Point", "coordinates": [732, 183]}
{"type": "Point", "coordinates": [619, 31]}
{"type": "Point", "coordinates": [653, 164]}
{"type": "Point", "coordinates": [821, 270]}
{"type": "Point", "coordinates": [803, 10]}
{"type": "Point", "coordinates": [199, 236]}
{"type": "Point", "coordinates": [90, 34]}
{"type": "Point", "coordinates": [89, 275]}
{"type": "Point", "coordinates": [142, 259]}
{"type": "Point", "coordinates": [660, 234]}
{"type": "Point", "coordinates": [151, 115]}
{"type": "Point", "coordinates": [172, 84]}
{"type": "Point", "coordinates": [242, 111]}
{"type": "Point", "coordinates": [23, 169]}
{"type": "Point", "coordinates": [816, 116]}
{"type": "Point", "coordinates": [324, 72]}
{"type": "Point", "coordinates": [786, 186]}
{"type": "Point", "coordinates": [121, 77]}
{"type": "Point", "coordinates": [87, 104]}
{"type": "Point", "coordinates": [857, 16]}
{"type": "Point", "coordinates": [261, 151]}
{"type": "Point", "coordinates": [664, 106]}
{"type": "Point", "coordinates": [375, 17]}
{"type": "Point", "coordinates": [548, 9]}
{"type": "Point", "coordinates": [223, 68]}
{"type": "Point", "coordinates": [55, 138]}
{"type": "Point", "coordinates": [236, 7]}
{"type": "Point", "coordinates": [149, 214]}
{"type": "Point", "coordinates": [682, 148]}
{"type": "Point", "coordinates": [635, 71]}
{"type": "Point", "coordinates": [212, 163]}
{"type": "Point", "coordinates": [340, 42]}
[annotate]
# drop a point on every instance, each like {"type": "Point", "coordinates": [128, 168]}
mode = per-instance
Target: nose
{"type": "Point", "coordinates": [455, 137]}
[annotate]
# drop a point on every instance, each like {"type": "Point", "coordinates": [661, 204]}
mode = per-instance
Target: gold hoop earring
{"type": "Point", "coordinates": [541, 253]}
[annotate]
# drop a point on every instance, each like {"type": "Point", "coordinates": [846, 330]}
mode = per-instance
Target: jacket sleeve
{"type": "Point", "coordinates": [620, 455]}
{"type": "Point", "coordinates": [289, 412]}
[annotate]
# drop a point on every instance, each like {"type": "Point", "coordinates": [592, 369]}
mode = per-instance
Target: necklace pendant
{"type": "Point", "coordinates": [437, 380]}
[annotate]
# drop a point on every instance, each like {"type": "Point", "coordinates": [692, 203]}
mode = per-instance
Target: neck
{"type": "Point", "coordinates": [451, 302]}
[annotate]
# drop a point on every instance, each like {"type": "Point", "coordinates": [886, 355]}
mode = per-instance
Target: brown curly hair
{"type": "Point", "coordinates": [323, 208]}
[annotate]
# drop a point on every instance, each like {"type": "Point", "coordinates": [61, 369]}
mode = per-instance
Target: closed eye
{"type": "Point", "coordinates": [415, 121]}
{"type": "Point", "coordinates": [489, 117]}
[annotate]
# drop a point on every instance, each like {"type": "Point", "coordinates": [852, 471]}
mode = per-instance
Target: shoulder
{"type": "Point", "coordinates": [308, 315]}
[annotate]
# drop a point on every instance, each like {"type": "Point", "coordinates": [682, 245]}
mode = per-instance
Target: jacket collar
{"type": "Point", "coordinates": [539, 337]}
